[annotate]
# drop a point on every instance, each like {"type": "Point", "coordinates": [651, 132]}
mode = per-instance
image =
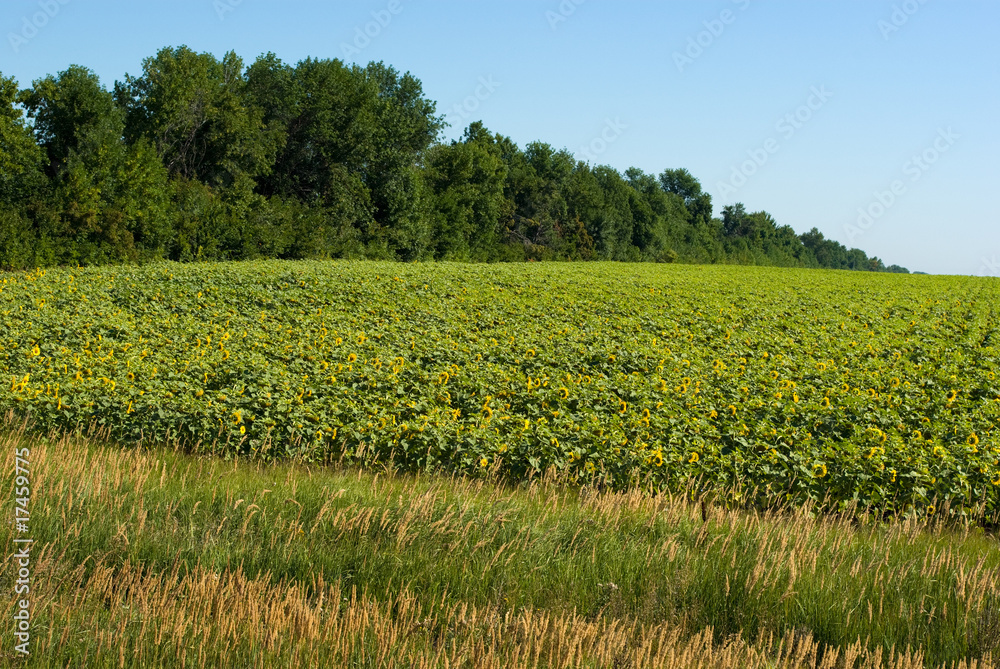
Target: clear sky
{"type": "Point", "coordinates": [814, 110]}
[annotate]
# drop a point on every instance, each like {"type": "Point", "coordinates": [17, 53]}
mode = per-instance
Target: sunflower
{"type": "Point", "coordinates": [693, 458]}
{"type": "Point", "coordinates": [825, 402]}
{"type": "Point", "coordinates": [352, 357]}
{"type": "Point", "coordinates": [819, 470]}
{"type": "Point", "coordinates": [484, 462]}
{"type": "Point", "coordinates": [952, 395]}
{"type": "Point", "coordinates": [973, 440]}
{"type": "Point", "coordinates": [564, 392]}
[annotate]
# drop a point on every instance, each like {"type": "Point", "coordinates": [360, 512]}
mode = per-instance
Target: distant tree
{"type": "Point", "coordinates": [200, 158]}
{"type": "Point", "coordinates": [682, 183]}
{"type": "Point", "coordinates": [21, 158]}
{"type": "Point", "coordinates": [192, 108]}
{"type": "Point", "coordinates": [466, 183]}
{"type": "Point", "coordinates": [64, 108]}
{"type": "Point", "coordinates": [351, 138]}
{"type": "Point", "coordinates": [112, 197]}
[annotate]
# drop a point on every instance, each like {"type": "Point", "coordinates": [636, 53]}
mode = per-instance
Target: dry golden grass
{"type": "Point", "coordinates": [150, 558]}
{"type": "Point", "coordinates": [203, 619]}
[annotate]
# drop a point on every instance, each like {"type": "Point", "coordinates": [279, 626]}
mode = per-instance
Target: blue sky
{"type": "Point", "coordinates": [818, 112]}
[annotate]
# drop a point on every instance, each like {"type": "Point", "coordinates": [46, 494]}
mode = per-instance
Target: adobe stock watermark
{"type": "Point", "coordinates": [991, 267]}
{"type": "Point", "coordinates": [22, 558]}
{"type": "Point", "coordinates": [363, 35]}
{"type": "Point", "coordinates": [565, 9]}
{"type": "Point", "coordinates": [786, 126]}
{"type": "Point", "coordinates": [915, 168]}
{"type": "Point", "coordinates": [900, 16]}
{"type": "Point", "coordinates": [613, 129]}
{"type": "Point", "coordinates": [460, 112]}
{"type": "Point", "coordinates": [223, 7]}
{"type": "Point", "coordinates": [30, 25]}
{"type": "Point", "coordinates": [697, 44]}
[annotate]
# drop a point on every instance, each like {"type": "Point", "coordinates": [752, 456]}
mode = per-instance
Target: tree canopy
{"type": "Point", "coordinates": [201, 158]}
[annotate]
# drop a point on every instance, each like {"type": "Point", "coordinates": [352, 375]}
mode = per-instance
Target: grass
{"type": "Point", "coordinates": [156, 558]}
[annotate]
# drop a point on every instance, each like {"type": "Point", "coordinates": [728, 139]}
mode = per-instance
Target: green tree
{"type": "Point", "coordinates": [63, 107]}
{"type": "Point", "coordinates": [191, 107]}
{"type": "Point", "coordinates": [112, 198]}
{"type": "Point", "coordinates": [20, 156]}
{"type": "Point", "coordinates": [466, 184]}
{"type": "Point", "coordinates": [351, 137]}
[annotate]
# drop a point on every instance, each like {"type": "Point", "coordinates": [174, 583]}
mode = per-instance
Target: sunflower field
{"type": "Point", "coordinates": [844, 388]}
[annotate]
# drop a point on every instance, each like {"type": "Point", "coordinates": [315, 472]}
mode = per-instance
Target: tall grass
{"type": "Point", "coordinates": [154, 558]}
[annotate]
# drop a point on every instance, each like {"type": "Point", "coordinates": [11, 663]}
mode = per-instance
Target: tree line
{"type": "Point", "coordinates": [200, 158]}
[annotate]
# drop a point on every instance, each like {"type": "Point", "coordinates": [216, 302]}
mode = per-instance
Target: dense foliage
{"type": "Point", "coordinates": [878, 390]}
{"type": "Point", "coordinates": [198, 158]}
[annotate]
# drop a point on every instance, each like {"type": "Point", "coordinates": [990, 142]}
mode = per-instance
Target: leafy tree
{"type": "Point", "coordinates": [466, 181]}
{"type": "Point", "coordinates": [200, 158]}
{"type": "Point", "coordinates": [64, 108]}
{"type": "Point", "coordinates": [350, 135]}
{"type": "Point", "coordinates": [20, 156]}
{"type": "Point", "coordinates": [698, 203]}
{"type": "Point", "coordinates": [193, 109]}
{"type": "Point", "coordinates": [112, 198]}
